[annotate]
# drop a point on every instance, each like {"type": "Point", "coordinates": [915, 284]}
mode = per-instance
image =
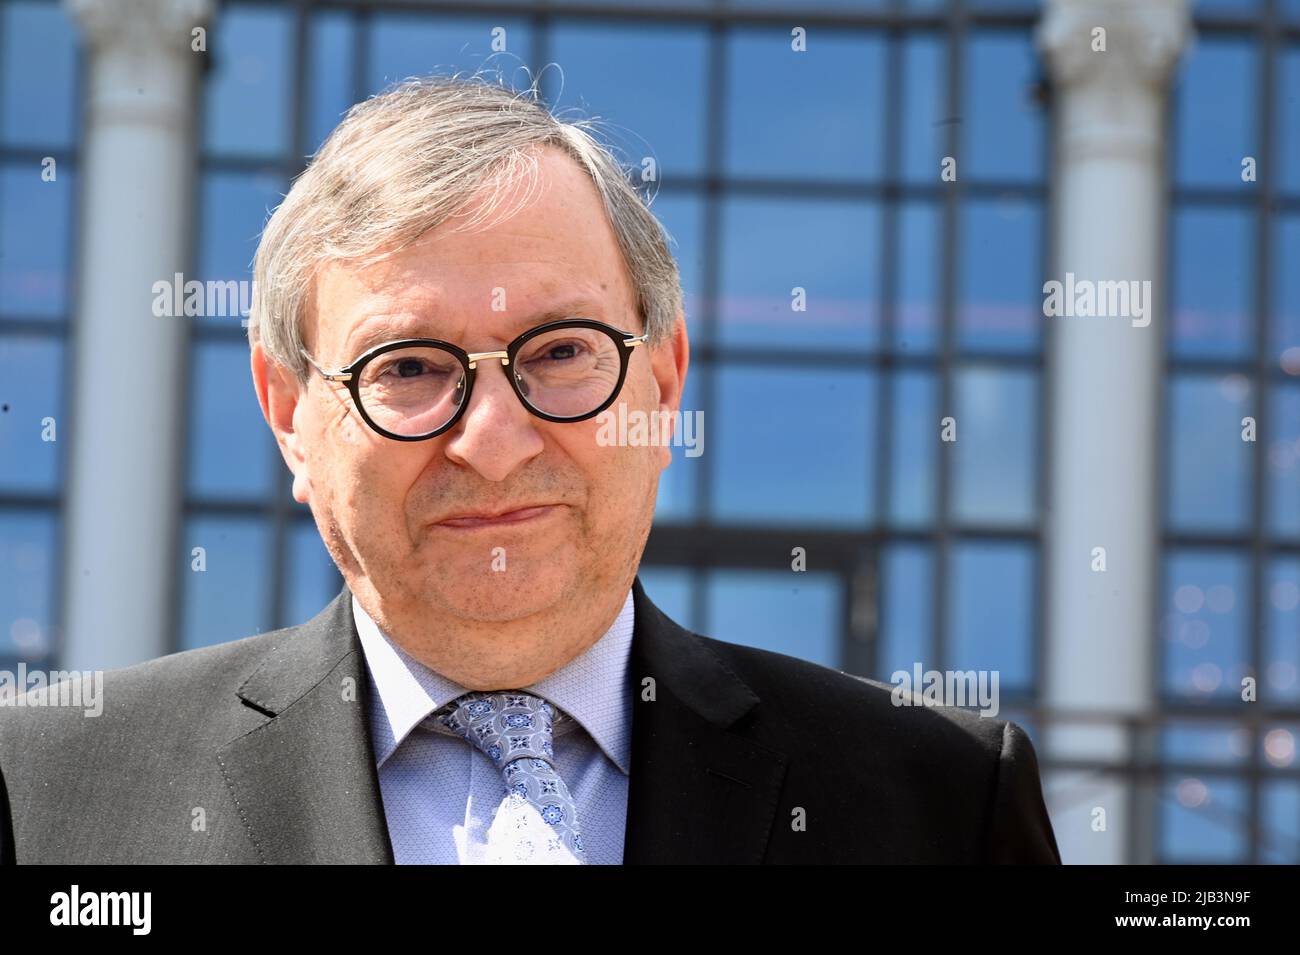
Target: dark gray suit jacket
{"type": "Point", "coordinates": [258, 751]}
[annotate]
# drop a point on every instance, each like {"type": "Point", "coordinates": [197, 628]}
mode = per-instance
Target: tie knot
{"type": "Point", "coordinates": [505, 725]}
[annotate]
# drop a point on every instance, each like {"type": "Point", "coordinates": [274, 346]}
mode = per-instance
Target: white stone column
{"type": "Point", "coordinates": [1105, 432]}
{"type": "Point", "coordinates": [128, 395]}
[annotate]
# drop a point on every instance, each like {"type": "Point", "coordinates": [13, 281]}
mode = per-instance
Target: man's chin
{"type": "Point", "coordinates": [501, 595]}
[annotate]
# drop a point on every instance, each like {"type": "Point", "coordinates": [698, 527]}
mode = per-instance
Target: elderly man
{"type": "Point", "coordinates": [445, 303]}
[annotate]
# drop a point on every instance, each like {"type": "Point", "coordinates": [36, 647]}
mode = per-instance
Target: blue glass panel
{"type": "Point", "coordinates": [1280, 832]}
{"type": "Point", "coordinates": [1285, 331]}
{"type": "Point", "coordinates": [1234, 8]}
{"type": "Point", "coordinates": [31, 389]}
{"type": "Point", "coordinates": [682, 216]}
{"type": "Point", "coordinates": [678, 482]}
{"type": "Point", "coordinates": [1206, 602]}
{"type": "Point", "coordinates": [848, 6]}
{"type": "Point", "coordinates": [28, 568]}
{"type": "Point", "coordinates": [990, 613]}
{"type": "Point", "coordinates": [798, 614]}
{"type": "Point", "coordinates": [907, 602]}
{"type": "Point", "coordinates": [925, 109]}
{"type": "Point", "coordinates": [1199, 741]}
{"type": "Point", "coordinates": [1203, 820]}
{"type": "Point", "coordinates": [1214, 264]}
{"type": "Point", "coordinates": [1287, 124]}
{"type": "Point", "coordinates": [232, 451]}
{"type": "Point", "coordinates": [38, 58]}
{"type": "Point", "coordinates": [670, 589]}
{"type": "Point", "coordinates": [228, 600]}
{"type": "Point", "coordinates": [1284, 462]}
{"type": "Point", "coordinates": [1002, 128]}
{"type": "Point", "coordinates": [920, 285]}
{"type": "Point", "coordinates": [34, 244]}
{"type": "Point", "coordinates": [248, 90]}
{"type": "Point", "coordinates": [815, 114]}
{"type": "Point", "coordinates": [645, 81]}
{"type": "Point", "coordinates": [914, 447]}
{"type": "Point", "coordinates": [404, 45]}
{"type": "Point", "coordinates": [235, 209]}
{"type": "Point", "coordinates": [329, 92]}
{"type": "Point", "coordinates": [827, 248]}
{"type": "Point", "coordinates": [1213, 132]}
{"type": "Point", "coordinates": [994, 456]}
{"type": "Point", "coordinates": [1280, 682]}
{"type": "Point", "coordinates": [312, 579]}
{"type": "Point", "coordinates": [794, 446]}
{"type": "Point", "coordinates": [1000, 301]}
{"type": "Point", "coordinates": [1277, 748]}
{"type": "Point", "coordinates": [1209, 463]}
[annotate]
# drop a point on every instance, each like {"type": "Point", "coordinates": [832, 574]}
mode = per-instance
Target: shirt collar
{"type": "Point", "coordinates": [590, 688]}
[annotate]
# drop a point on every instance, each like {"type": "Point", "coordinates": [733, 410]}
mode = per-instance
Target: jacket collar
{"type": "Point", "coordinates": [308, 791]}
{"type": "Point", "coordinates": [700, 791]}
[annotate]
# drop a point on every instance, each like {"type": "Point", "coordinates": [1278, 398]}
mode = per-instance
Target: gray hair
{"type": "Point", "coordinates": [407, 160]}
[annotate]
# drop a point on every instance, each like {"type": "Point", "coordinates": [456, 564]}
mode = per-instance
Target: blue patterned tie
{"type": "Point", "coordinates": [537, 821]}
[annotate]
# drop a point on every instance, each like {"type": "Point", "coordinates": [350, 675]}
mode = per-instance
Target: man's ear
{"type": "Point", "coordinates": [278, 392]}
{"type": "Point", "coordinates": [668, 363]}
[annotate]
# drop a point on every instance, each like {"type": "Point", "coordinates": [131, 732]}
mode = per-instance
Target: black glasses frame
{"type": "Point", "coordinates": [351, 374]}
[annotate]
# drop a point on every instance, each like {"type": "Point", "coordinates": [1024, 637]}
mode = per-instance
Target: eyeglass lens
{"type": "Point", "coordinates": [566, 373]}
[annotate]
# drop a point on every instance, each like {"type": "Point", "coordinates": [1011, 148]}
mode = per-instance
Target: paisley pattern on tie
{"type": "Point", "coordinates": [537, 821]}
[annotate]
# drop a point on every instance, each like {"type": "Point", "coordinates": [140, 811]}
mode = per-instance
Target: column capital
{"type": "Point", "coordinates": [1143, 40]}
{"type": "Point", "coordinates": [139, 24]}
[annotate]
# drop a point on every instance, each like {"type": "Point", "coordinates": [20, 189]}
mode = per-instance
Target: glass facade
{"type": "Point", "coordinates": [1230, 607]}
{"type": "Point", "coordinates": [782, 176]}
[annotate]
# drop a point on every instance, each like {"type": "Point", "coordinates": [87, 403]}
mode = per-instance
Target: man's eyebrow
{"type": "Point", "coordinates": [380, 333]}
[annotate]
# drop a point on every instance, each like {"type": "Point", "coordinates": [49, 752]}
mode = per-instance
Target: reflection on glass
{"type": "Point", "coordinates": [38, 65]}
{"type": "Point", "coordinates": [1001, 126]}
{"type": "Point", "coordinates": [1214, 129]}
{"type": "Point", "coordinates": [772, 249]}
{"type": "Point", "coordinates": [603, 70]}
{"type": "Point", "coordinates": [1214, 264]}
{"type": "Point", "coordinates": [230, 598]}
{"type": "Point", "coordinates": [907, 602]}
{"type": "Point", "coordinates": [248, 107]}
{"type": "Point", "coordinates": [28, 550]}
{"type": "Point", "coordinates": [793, 446]}
{"type": "Point", "coordinates": [35, 242]}
{"type": "Point", "coordinates": [404, 45]}
{"type": "Point", "coordinates": [816, 114]}
{"type": "Point", "coordinates": [990, 611]}
{"type": "Point", "coordinates": [1000, 301]}
{"type": "Point", "coordinates": [914, 450]}
{"type": "Point", "coordinates": [796, 614]}
{"type": "Point", "coordinates": [995, 453]}
{"type": "Point", "coordinates": [31, 391]}
{"type": "Point", "coordinates": [1209, 463]}
{"type": "Point", "coordinates": [232, 451]}
{"type": "Point", "coordinates": [1203, 632]}
{"type": "Point", "coordinates": [1202, 819]}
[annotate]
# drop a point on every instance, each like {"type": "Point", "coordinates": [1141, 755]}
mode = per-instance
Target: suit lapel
{"type": "Point", "coordinates": [307, 790]}
{"type": "Point", "coordinates": [699, 791]}
{"type": "Point", "coordinates": [305, 780]}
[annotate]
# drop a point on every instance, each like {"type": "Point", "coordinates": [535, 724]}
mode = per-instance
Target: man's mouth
{"type": "Point", "coordinates": [517, 516]}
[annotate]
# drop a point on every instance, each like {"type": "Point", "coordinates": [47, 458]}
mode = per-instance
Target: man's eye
{"type": "Point", "coordinates": [407, 368]}
{"type": "Point", "coordinates": [560, 351]}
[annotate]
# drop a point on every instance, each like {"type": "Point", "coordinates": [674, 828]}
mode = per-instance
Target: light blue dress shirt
{"type": "Point", "coordinates": [440, 793]}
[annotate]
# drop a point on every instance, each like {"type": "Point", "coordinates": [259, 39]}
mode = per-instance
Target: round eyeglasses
{"type": "Point", "coordinates": [417, 388]}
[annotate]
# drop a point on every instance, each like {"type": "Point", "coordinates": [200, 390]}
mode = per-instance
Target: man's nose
{"type": "Point", "coordinates": [496, 433]}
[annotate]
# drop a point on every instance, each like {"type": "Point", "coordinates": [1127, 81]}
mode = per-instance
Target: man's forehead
{"type": "Point", "coordinates": [424, 310]}
{"type": "Point", "coordinates": [554, 253]}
